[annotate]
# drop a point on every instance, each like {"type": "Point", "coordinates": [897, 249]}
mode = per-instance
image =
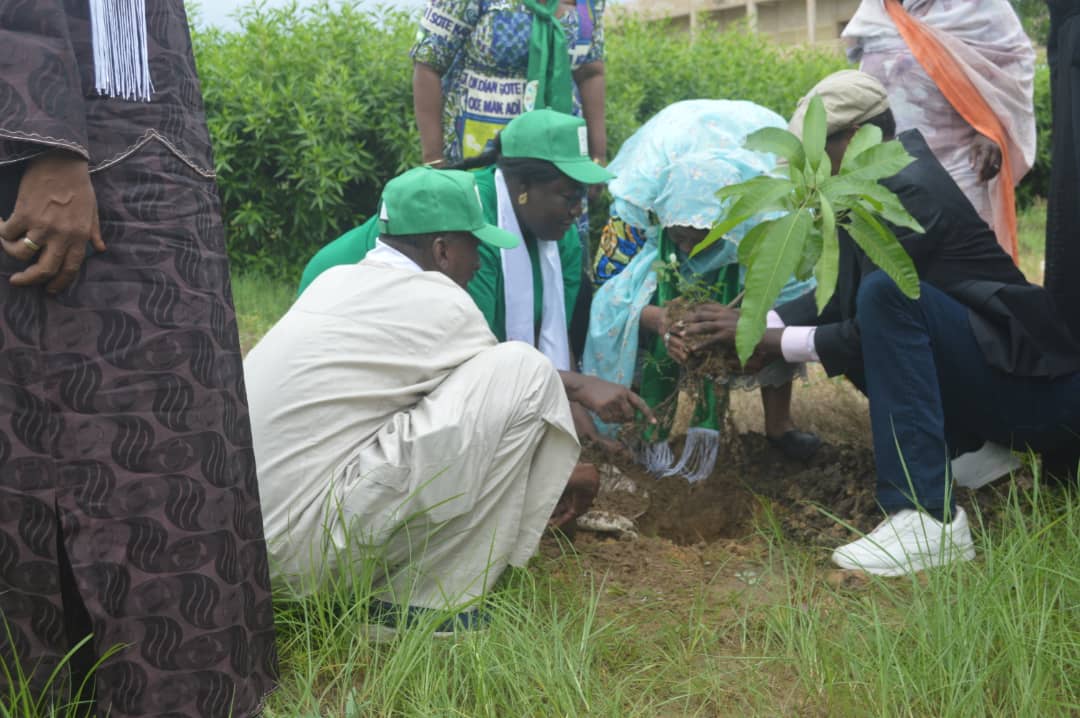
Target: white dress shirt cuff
{"type": "Point", "coordinates": [797, 345]}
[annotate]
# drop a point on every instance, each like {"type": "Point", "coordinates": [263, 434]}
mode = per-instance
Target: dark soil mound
{"type": "Point", "coordinates": [816, 502]}
{"type": "Point", "coordinates": [751, 475]}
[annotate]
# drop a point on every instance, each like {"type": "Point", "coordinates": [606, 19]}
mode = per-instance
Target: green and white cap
{"type": "Point", "coordinates": [427, 201]}
{"type": "Point", "coordinates": [559, 138]}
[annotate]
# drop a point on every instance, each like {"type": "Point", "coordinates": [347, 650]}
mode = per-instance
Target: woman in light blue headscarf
{"type": "Point", "coordinates": [667, 175]}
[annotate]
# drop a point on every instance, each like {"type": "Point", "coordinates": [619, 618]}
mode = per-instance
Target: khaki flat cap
{"type": "Point", "coordinates": [850, 98]}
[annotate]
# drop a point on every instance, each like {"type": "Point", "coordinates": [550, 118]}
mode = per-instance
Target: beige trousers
{"type": "Point", "coordinates": [449, 493]}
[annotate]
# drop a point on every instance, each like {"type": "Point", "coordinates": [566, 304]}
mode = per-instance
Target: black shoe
{"type": "Point", "coordinates": [796, 445]}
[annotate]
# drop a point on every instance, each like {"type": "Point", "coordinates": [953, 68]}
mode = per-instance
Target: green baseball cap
{"type": "Point", "coordinates": [426, 200]}
{"type": "Point", "coordinates": [556, 137]}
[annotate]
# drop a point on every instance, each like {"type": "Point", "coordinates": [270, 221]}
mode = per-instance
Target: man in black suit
{"type": "Point", "coordinates": [982, 355]}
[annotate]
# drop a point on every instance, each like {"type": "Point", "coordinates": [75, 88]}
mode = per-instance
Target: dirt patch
{"type": "Point", "coordinates": [816, 503]}
{"type": "Point", "coordinates": [699, 543]}
{"type": "Point", "coordinates": [651, 572]}
{"type": "Point", "coordinates": [691, 513]}
{"type": "Point", "coordinates": [750, 477]}
{"type": "Point", "coordinates": [814, 500]}
{"type": "Point", "coordinates": [831, 408]}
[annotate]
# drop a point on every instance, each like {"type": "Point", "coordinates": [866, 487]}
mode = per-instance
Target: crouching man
{"type": "Point", "coordinates": [981, 356]}
{"type": "Point", "coordinates": [388, 420]}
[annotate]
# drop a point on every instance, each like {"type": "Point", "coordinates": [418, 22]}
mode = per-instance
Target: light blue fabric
{"type": "Point", "coordinates": [667, 174]}
{"type": "Point", "coordinates": [692, 127]}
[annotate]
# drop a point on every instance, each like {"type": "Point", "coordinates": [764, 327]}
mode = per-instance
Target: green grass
{"type": "Point", "coordinates": [1031, 235]}
{"type": "Point", "coordinates": [544, 653]}
{"type": "Point", "coordinates": [994, 637]}
{"type": "Point", "coordinates": [998, 636]}
{"type": "Point", "coordinates": [260, 302]}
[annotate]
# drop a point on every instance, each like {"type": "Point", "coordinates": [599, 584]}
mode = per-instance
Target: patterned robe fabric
{"type": "Point", "coordinates": [129, 503]}
{"type": "Point", "coordinates": [481, 48]}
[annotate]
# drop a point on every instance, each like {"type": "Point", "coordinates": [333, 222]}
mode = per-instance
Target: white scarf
{"type": "Point", "coordinates": [518, 288]}
{"type": "Point", "coordinates": [121, 58]}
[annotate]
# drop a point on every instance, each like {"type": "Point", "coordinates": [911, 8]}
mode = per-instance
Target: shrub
{"type": "Point", "coordinates": [310, 113]}
{"type": "Point", "coordinates": [650, 66]}
{"type": "Point", "coordinates": [1037, 181]}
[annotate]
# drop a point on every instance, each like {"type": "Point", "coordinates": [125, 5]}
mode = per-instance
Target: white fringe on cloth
{"type": "Point", "coordinates": [121, 58]}
{"type": "Point", "coordinates": [696, 463]}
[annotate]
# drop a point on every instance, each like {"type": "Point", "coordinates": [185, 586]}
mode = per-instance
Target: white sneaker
{"type": "Point", "coordinates": [976, 469]}
{"type": "Point", "coordinates": [906, 542]}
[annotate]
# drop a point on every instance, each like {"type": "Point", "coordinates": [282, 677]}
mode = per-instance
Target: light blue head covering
{"type": "Point", "coordinates": [648, 179]}
{"type": "Point", "coordinates": [667, 174]}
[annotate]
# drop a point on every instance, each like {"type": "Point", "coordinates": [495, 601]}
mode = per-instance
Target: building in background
{"type": "Point", "coordinates": [787, 21]}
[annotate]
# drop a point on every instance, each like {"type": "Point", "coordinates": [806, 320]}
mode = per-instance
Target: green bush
{"type": "Point", "coordinates": [311, 112]}
{"type": "Point", "coordinates": [649, 66]}
{"type": "Point", "coordinates": [1037, 181]}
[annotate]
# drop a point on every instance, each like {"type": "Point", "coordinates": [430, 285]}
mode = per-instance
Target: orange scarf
{"type": "Point", "coordinates": [970, 104]}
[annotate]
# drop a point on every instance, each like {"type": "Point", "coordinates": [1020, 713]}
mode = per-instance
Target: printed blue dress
{"type": "Point", "coordinates": [481, 50]}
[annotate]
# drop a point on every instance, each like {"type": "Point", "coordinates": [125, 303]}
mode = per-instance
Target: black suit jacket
{"type": "Point", "coordinates": [1014, 321]}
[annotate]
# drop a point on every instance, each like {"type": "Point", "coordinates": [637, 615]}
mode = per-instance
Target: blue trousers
{"type": "Point", "coordinates": [932, 394]}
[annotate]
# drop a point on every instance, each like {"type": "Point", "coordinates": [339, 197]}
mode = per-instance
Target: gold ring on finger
{"type": "Point", "coordinates": [31, 244]}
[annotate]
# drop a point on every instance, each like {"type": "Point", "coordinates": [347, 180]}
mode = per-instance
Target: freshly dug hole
{"type": "Point", "coordinates": [750, 470]}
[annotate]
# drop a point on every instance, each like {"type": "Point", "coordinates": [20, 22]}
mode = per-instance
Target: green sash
{"type": "Point", "coordinates": [549, 81]}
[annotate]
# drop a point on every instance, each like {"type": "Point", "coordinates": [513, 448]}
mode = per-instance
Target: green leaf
{"type": "Point", "coordinates": [883, 249]}
{"type": "Point", "coordinates": [750, 242]}
{"type": "Point", "coordinates": [801, 182]}
{"type": "Point", "coordinates": [756, 191]}
{"type": "Point", "coordinates": [774, 261]}
{"type": "Point", "coordinates": [828, 267]}
{"type": "Point", "coordinates": [779, 142]}
{"type": "Point", "coordinates": [813, 134]}
{"type": "Point", "coordinates": [751, 198]}
{"type": "Point", "coordinates": [881, 200]}
{"type": "Point", "coordinates": [715, 235]}
{"type": "Point", "coordinates": [810, 254]}
{"type": "Point", "coordinates": [889, 207]}
{"type": "Point", "coordinates": [866, 137]}
{"type": "Point", "coordinates": [824, 170]}
{"type": "Point", "coordinates": [877, 162]}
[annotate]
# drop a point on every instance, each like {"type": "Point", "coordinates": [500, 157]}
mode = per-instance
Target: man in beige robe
{"type": "Point", "coordinates": [390, 424]}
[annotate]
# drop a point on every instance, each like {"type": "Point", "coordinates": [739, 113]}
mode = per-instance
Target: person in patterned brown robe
{"type": "Point", "coordinates": [129, 505]}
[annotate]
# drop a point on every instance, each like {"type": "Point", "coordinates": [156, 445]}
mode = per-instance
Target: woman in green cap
{"type": "Point", "coordinates": [532, 184]}
{"type": "Point", "coordinates": [480, 63]}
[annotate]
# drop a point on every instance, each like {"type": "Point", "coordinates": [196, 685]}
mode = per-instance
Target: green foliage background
{"type": "Point", "coordinates": [1036, 18]}
{"type": "Point", "coordinates": [311, 112]}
